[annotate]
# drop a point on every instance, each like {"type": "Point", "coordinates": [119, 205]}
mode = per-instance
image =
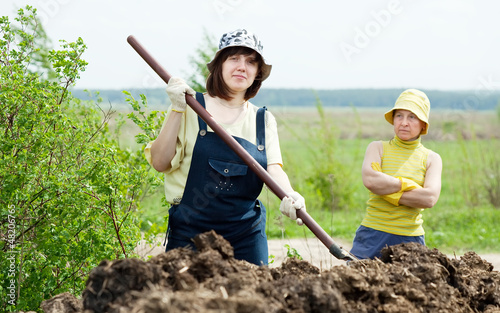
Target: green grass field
{"type": "Point", "coordinates": [323, 151]}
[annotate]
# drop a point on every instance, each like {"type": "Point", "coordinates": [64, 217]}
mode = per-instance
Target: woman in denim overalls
{"type": "Point", "coordinates": [208, 185]}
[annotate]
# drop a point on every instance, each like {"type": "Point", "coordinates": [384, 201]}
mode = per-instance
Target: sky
{"type": "Point", "coordinates": [438, 45]}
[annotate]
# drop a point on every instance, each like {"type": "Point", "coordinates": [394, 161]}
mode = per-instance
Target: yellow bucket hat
{"type": "Point", "coordinates": [414, 101]}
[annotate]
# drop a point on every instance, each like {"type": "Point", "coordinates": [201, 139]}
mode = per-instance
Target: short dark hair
{"type": "Point", "coordinates": [216, 87]}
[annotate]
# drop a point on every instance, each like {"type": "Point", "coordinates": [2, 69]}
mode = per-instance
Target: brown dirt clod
{"type": "Point", "coordinates": [407, 278]}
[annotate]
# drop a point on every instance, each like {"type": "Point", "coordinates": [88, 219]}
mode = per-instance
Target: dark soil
{"type": "Point", "coordinates": [408, 278]}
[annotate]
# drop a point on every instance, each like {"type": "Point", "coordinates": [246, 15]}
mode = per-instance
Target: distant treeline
{"type": "Point", "coordinates": [359, 98]}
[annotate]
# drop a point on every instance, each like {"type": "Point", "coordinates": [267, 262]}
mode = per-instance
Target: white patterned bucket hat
{"type": "Point", "coordinates": [242, 38]}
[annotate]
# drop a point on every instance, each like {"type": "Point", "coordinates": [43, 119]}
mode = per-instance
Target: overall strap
{"type": "Point", "coordinates": [201, 100]}
{"type": "Point", "coordinates": [261, 128]}
{"type": "Point", "coordinates": [261, 122]}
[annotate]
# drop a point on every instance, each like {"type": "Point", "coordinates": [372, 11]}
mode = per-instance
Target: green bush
{"type": "Point", "coordinates": [327, 177]}
{"type": "Point", "coordinates": [68, 193]}
{"type": "Point", "coordinates": [149, 123]}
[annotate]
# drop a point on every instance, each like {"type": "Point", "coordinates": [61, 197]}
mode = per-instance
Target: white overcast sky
{"type": "Point", "coordinates": [428, 44]}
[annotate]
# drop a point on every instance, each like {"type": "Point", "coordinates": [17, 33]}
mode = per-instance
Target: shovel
{"type": "Point", "coordinates": [334, 248]}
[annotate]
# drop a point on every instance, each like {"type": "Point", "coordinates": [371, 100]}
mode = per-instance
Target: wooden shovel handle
{"type": "Point", "coordinates": [242, 153]}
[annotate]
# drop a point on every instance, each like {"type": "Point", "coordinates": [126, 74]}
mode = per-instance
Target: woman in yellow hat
{"type": "Point", "coordinates": [403, 178]}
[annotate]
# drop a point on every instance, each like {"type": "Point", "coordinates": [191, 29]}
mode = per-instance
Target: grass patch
{"type": "Point", "coordinates": [464, 218]}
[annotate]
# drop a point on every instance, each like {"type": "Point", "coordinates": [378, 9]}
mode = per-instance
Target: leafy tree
{"type": "Point", "coordinates": [68, 193]}
{"type": "Point", "coordinates": [40, 62]}
{"type": "Point", "coordinates": [203, 55]}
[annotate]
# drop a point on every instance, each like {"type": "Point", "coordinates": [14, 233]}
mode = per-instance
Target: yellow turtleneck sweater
{"type": "Point", "coordinates": [405, 159]}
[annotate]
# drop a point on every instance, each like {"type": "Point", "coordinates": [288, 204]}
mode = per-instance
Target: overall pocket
{"type": "Point", "coordinates": [227, 177]}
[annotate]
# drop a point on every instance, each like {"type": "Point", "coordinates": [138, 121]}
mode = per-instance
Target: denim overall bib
{"type": "Point", "coordinates": [221, 194]}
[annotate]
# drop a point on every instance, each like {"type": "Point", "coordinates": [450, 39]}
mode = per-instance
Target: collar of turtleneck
{"type": "Point", "coordinates": [410, 145]}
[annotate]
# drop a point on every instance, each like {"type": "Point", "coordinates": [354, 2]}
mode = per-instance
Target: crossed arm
{"type": "Point", "coordinates": [383, 184]}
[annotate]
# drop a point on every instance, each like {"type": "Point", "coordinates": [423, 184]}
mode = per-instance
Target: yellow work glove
{"type": "Point", "coordinates": [406, 185]}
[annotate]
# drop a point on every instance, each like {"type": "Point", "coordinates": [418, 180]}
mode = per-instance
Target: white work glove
{"type": "Point", "coordinates": [290, 204]}
{"type": "Point", "coordinates": [176, 90]}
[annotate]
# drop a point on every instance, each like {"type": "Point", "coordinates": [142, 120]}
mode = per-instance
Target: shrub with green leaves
{"type": "Point", "coordinates": [149, 123]}
{"type": "Point", "coordinates": [329, 183]}
{"type": "Point", "coordinates": [68, 193]}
